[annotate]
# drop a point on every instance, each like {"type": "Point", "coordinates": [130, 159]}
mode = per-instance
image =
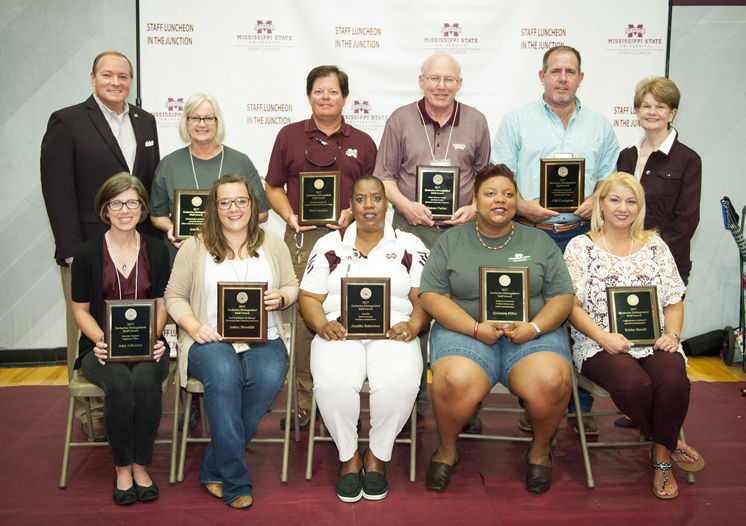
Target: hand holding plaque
{"type": "Point", "coordinates": [129, 330]}
{"type": "Point", "coordinates": [241, 314]}
{"type": "Point", "coordinates": [366, 307]}
{"type": "Point", "coordinates": [504, 294]}
{"type": "Point", "coordinates": [189, 212]}
{"type": "Point", "coordinates": [562, 184]}
{"type": "Point", "coordinates": [438, 189]}
{"type": "Point", "coordinates": [633, 313]}
{"type": "Point", "coordinates": [319, 198]}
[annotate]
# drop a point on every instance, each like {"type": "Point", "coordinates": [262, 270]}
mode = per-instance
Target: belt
{"type": "Point", "coordinates": [443, 227]}
{"type": "Point", "coordinates": [554, 227]}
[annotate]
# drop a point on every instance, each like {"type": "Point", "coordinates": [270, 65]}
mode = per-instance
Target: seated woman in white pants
{"type": "Point", "coordinates": [393, 366]}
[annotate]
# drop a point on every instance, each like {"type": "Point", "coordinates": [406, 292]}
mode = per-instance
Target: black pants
{"type": "Point", "coordinates": [132, 405]}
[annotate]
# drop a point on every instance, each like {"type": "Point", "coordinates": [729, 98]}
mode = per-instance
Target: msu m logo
{"type": "Point", "coordinates": [634, 30]}
{"type": "Point", "coordinates": [267, 27]}
{"type": "Point", "coordinates": [361, 107]}
{"type": "Point", "coordinates": [175, 104]}
{"type": "Point", "coordinates": [450, 30]}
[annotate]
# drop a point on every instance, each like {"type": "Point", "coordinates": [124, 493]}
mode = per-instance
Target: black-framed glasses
{"type": "Point", "coordinates": [196, 120]}
{"type": "Point", "coordinates": [326, 145]}
{"type": "Point", "coordinates": [132, 204]}
{"type": "Point", "coordinates": [241, 202]}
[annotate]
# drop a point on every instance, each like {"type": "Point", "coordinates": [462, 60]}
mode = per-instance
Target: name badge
{"type": "Point", "coordinates": [563, 155]}
{"type": "Point", "coordinates": [441, 162]}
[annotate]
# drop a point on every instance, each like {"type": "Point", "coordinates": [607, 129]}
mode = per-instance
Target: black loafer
{"type": "Point", "coordinates": [375, 486]}
{"type": "Point", "coordinates": [474, 425]}
{"type": "Point", "coordinates": [439, 474]}
{"type": "Point", "coordinates": [349, 488]}
{"type": "Point", "coordinates": [538, 477]}
{"type": "Point", "coordinates": [122, 497]}
{"type": "Point", "coordinates": [146, 493]}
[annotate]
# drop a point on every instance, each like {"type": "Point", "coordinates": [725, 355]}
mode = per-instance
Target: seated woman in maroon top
{"type": "Point", "coordinates": [123, 264]}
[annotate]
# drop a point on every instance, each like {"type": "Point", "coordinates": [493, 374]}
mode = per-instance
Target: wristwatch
{"type": "Point", "coordinates": [678, 338]}
{"type": "Point", "coordinates": [538, 331]}
{"type": "Point", "coordinates": [282, 301]}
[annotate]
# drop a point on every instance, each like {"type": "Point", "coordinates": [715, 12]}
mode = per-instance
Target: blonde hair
{"type": "Point", "coordinates": [637, 230]}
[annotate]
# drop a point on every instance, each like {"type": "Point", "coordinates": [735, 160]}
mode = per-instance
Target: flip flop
{"type": "Point", "coordinates": [697, 465]}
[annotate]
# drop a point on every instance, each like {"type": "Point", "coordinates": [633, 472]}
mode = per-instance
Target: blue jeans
{"type": "Point", "coordinates": [239, 389]}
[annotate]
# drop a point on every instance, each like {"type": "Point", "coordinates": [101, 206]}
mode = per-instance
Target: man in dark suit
{"type": "Point", "coordinates": [83, 146]}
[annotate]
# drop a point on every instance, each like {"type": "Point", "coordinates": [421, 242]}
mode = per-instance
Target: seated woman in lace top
{"type": "Point", "coordinates": [648, 383]}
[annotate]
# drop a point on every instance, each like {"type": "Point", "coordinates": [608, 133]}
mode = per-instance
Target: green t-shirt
{"type": "Point", "coordinates": [453, 265]}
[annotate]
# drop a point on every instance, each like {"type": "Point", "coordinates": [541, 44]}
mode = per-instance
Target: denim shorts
{"type": "Point", "coordinates": [495, 360]}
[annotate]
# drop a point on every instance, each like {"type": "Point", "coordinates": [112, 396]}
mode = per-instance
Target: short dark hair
{"type": "Point", "coordinates": [325, 71]}
{"type": "Point", "coordinates": [115, 53]}
{"type": "Point", "coordinates": [115, 185]}
{"type": "Point", "coordinates": [560, 49]}
{"type": "Point", "coordinates": [368, 178]}
{"type": "Point", "coordinates": [493, 170]}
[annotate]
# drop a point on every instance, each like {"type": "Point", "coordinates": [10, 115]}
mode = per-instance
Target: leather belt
{"type": "Point", "coordinates": [554, 227]}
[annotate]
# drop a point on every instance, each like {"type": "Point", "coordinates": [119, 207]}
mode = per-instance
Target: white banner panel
{"type": "Point", "coordinates": [254, 57]}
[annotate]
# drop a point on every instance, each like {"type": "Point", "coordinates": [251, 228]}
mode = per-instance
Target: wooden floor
{"type": "Point", "coordinates": [710, 369]}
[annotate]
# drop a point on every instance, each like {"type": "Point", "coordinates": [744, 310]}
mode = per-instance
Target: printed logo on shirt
{"type": "Point", "coordinates": [391, 256]}
{"type": "Point", "coordinates": [459, 146]}
{"type": "Point", "coordinates": [519, 258]}
{"type": "Point", "coordinates": [351, 152]}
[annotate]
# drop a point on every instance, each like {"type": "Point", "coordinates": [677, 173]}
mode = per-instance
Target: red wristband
{"type": "Point", "coordinates": [476, 328]}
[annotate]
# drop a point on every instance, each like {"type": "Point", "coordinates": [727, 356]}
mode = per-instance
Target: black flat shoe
{"type": "Point", "coordinates": [122, 497]}
{"type": "Point", "coordinates": [146, 493]}
{"type": "Point", "coordinates": [538, 477]}
{"type": "Point", "coordinates": [439, 474]}
{"type": "Point", "coordinates": [349, 487]}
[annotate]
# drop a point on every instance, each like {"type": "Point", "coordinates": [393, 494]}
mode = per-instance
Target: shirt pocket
{"type": "Point", "coordinates": [664, 185]}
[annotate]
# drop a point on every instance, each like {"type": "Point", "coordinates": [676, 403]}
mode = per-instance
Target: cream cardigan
{"type": "Point", "coordinates": [185, 293]}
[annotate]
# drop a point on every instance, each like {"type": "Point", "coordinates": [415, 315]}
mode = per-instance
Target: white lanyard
{"type": "Point", "coordinates": [448, 146]}
{"type": "Point", "coordinates": [194, 172]}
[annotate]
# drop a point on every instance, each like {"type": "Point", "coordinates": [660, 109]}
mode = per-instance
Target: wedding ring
{"type": "Point", "coordinates": [404, 333]}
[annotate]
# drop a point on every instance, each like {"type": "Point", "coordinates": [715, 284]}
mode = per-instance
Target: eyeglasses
{"type": "Point", "coordinates": [434, 81]}
{"type": "Point", "coordinates": [132, 204]}
{"type": "Point", "coordinates": [196, 120]}
{"type": "Point", "coordinates": [241, 202]}
{"type": "Point", "coordinates": [326, 148]}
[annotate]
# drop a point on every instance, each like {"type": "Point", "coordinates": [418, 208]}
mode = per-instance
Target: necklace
{"type": "Point", "coordinates": [246, 274]}
{"type": "Point", "coordinates": [609, 251]}
{"type": "Point", "coordinates": [194, 172]}
{"type": "Point", "coordinates": [512, 227]}
{"type": "Point", "coordinates": [137, 264]}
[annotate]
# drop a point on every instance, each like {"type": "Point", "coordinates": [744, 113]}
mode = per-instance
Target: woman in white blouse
{"type": "Point", "coordinates": [241, 381]}
{"type": "Point", "coordinates": [648, 383]}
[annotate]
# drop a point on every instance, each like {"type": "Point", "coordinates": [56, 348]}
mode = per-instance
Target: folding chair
{"type": "Point", "coordinates": [322, 437]}
{"type": "Point", "coordinates": [80, 387]}
{"type": "Point", "coordinates": [194, 386]}
{"type": "Point", "coordinates": [596, 390]}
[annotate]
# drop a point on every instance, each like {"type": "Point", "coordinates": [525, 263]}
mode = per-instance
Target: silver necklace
{"type": "Point", "coordinates": [609, 251]}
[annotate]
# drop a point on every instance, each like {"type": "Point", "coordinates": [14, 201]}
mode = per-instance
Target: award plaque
{"type": "Point", "coordinates": [241, 314]}
{"type": "Point", "coordinates": [562, 184]}
{"type": "Point", "coordinates": [504, 294]}
{"type": "Point", "coordinates": [318, 198]}
{"type": "Point", "coordinates": [438, 189]}
{"type": "Point", "coordinates": [633, 313]}
{"type": "Point", "coordinates": [189, 212]}
{"type": "Point", "coordinates": [366, 307]}
{"type": "Point", "coordinates": [129, 330]}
